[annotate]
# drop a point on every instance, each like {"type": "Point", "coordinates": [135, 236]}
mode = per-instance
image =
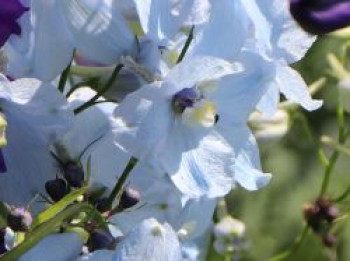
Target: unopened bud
{"type": "Point", "coordinates": [329, 240]}
{"type": "Point", "coordinates": [2, 241]}
{"type": "Point", "coordinates": [100, 239]}
{"type": "Point", "coordinates": [332, 213]}
{"type": "Point", "coordinates": [19, 219]}
{"type": "Point", "coordinates": [129, 198]}
{"type": "Point", "coordinates": [74, 175]}
{"type": "Point", "coordinates": [269, 129]}
{"type": "Point", "coordinates": [228, 234]}
{"type": "Point", "coordinates": [344, 91]}
{"type": "Point", "coordinates": [3, 125]}
{"type": "Point", "coordinates": [56, 189]}
{"type": "Point", "coordinates": [102, 205]}
{"type": "Point", "coordinates": [312, 217]}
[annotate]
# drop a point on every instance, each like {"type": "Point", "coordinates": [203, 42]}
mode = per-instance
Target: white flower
{"type": "Point", "coordinates": [187, 126]}
{"type": "Point", "coordinates": [52, 29]}
{"type": "Point", "coordinates": [36, 115]}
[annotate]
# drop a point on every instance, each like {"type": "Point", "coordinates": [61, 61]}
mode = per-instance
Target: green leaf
{"type": "Point", "coordinates": [58, 207]}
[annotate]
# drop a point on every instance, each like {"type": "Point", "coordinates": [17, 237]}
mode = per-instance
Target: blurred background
{"type": "Point", "coordinates": [274, 216]}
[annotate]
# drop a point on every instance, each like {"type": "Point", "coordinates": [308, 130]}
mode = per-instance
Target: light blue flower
{"type": "Point", "coordinates": [161, 20]}
{"type": "Point", "coordinates": [51, 30]}
{"type": "Point", "coordinates": [149, 241]}
{"type": "Point", "coordinates": [278, 37]}
{"type": "Point", "coordinates": [266, 28]}
{"type": "Point", "coordinates": [161, 200]}
{"type": "Point", "coordinates": [178, 125]}
{"type": "Point", "coordinates": [36, 115]}
{"type": "Point", "coordinates": [55, 247]}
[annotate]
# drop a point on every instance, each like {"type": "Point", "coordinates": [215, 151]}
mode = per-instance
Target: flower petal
{"type": "Point", "coordinates": [149, 241]}
{"type": "Point", "coordinates": [58, 247]}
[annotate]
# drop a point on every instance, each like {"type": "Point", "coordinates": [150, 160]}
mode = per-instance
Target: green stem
{"type": "Point", "coordinates": [342, 136]}
{"type": "Point", "coordinates": [119, 185]}
{"type": "Point", "coordinates": [186, 46]}
{"type": "Point", "coordinates": [102, 91]}
{"type": "Point", "coordinates": [300, 240]}
{"type": "Point", "coordinates": [45, 229]}
{"type": "Point", "coordinates": [343, 196]}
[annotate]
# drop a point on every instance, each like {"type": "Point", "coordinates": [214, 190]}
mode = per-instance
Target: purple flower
{"type": "Point", "coordinates": [10, 11]}
{"type": "Point", "coordinates": [321, 16]}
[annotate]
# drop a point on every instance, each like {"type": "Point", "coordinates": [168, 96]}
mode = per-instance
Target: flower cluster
{"type": "Point", "coordinates": [129, 120]}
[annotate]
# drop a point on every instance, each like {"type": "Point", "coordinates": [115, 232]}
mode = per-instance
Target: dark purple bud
{"type": "Point", "coordinates": [329, 240]}
{"type": "Point", "coordinates": [312, 217]}
{"type": "Point", "coordinates": [3, 167]}
{"type": "Point", "coordinates": [56, 189]}
{"type": "Point", "coordinates": [10, 11]}
{"type": "Point", "coordinates": [321, 16]}
{"type": "Point", "coordinates": [129, 198]}
{"type": "Point", "coordinates": [100, 239]}
{"type": "Point", "coordinates": [102, 205]}
{"type": "Point", "coordinates": [2, 241]}
{"type": "Point", "coordinates": [74, 175]}
{"type": "Point", "coordinates": [185, 99]}
{"type": "Point", "coordinates": [332, 213]}
{"type": "Point", "coordinates": [19, 219]}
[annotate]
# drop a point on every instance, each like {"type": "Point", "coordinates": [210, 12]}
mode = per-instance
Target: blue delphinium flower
{"type": "Point", "coordinates": [190, 127]}
{"type": "Point", "coordinates": [95, 28]}
{"type": "Point", "coordinates": [56, 247]}
{"type": "Point", "coordinates": [321, 17]}
{"type": "Point", "coordinates": [266, 28]}
{"type": "Point", "coordinates": [161, 20]}
{"type": "Point", "coordinates": [36, 116]}
{"type": "Point", "coordinates": [148, 240]}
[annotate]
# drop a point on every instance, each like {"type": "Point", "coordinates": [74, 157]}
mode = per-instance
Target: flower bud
{"type": "Point", "coordinates": [228, 234]}
{"type": "Point", "coordinates": [269, 129]}
{"type": "Point", "coordinates": [329, 240]}
{"type": "Point", "coordinates": [327, 210]}
{"type": "Point", "coordinates": [312, 217]}
{"type": "Point", "coordinates": [129, 198]}
{"type": "Point", "coordinates": [2, 241]}
{"type": "Point", "coordinates": [74, 175]}
{"type": "Point", "coordinates": [56, 189]}
{"type": "Point", "coordinates": [321, 17]}
{"type": "Point", "coordinates": [19, 219]}
{"type": "Point", "coordinates": [100, 239]}
{"type": "Point", "coordinates": [332, 213]}
{"type": "Point", "coordinates": [102, 205]}
{"type": "Point", "coordinates": [3, 125]}
{"type": "Point", "coordinates": [344, 93]}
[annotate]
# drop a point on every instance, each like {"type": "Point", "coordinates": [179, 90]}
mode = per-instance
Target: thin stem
{"type": "Point", "coordinates": [343, 196]}
{"type": "Point", "coordinates": [45, 229]}
{"type": "Point", "coordinates": [102, 91]}
{"type": "Point", "coordinates": [186, 46]}
{"type": "Point", "coordinates": [120, 183]}
{"type": "Point", "coordinates": [327, 173]}
{"type": "Point", "coordinates": [300, 240]}
{"type": "Point", "coordinates": [342, 135]}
